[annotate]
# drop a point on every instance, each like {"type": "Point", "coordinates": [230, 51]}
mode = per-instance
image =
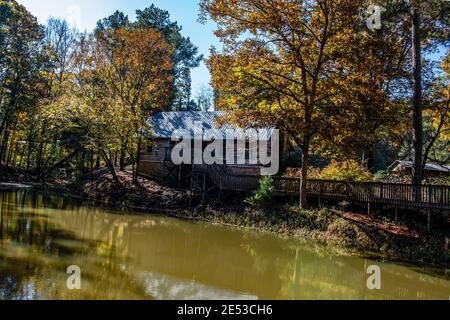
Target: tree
{"type": "Point", "coordinates": [184, 91]}
{"type": "Point", "coordinates": [278, 65]}
{"type": "Point", "coordinates": [372, 103]}
{"type": "Point", "coordinates": [428, 27]}
{"type": "Point", "coordinates": [437, 109]}
{"type": "Point", "coordinates": [184, 57]}
{"type": "Point", "coordinates": [23, 63]}
{"type": "Point", "coordinates": [204, 98]}
{"type": "Point", "coordinates": [134, 66]}
{"type": "Point", "coordinates": [185, 54]}
{"type": "Point", "coordinates": [61, 39]}
{"type": "Point", "coordinates": [417, 93]}
{"type": "Point", "coordinates": [115, 21]}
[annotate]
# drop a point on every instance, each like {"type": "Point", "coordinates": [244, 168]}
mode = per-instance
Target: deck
{"type": "Point", "coordinates": [398, 195]}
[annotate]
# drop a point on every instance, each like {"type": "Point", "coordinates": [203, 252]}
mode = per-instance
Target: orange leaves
{"type": "Point", "coordinates": [137, 65]}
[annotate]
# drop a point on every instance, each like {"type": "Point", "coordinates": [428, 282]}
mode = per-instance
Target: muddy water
{"type": "Point", "coordinates": [132, 256]}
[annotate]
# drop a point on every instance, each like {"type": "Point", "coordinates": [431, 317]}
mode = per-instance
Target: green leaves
{"type": "Point", "coordinates": [264, 194]}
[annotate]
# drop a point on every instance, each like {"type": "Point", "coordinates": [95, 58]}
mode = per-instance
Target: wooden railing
{"type": "Point", "coordinates": [419, 196]}
{"type": "Point", "coordinates": [423, 196]}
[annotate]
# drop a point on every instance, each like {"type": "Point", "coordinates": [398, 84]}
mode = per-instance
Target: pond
{"type": "Point", "coordinates": [135, 256]}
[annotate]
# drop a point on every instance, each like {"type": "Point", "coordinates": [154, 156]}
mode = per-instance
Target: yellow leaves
{"type": "Point", "coordinates": [22, 117]}
{"type": "Point", "coordinates": [137, 66]}
{"type": "Point", "coordinates": [343, 171]}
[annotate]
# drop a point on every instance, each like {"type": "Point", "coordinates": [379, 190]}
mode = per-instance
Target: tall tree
{"type": "Point", "coordinates": [23, 63]}
{"type": "Point", "coordinates": [204, 98]}
{"type": "Point", "coordinates": [185, 55]}
{"type": "Point", "coordinates": [417, 92]}
{"type": "Point", "coordinates": [136, 68]}
{"type": "Point", "coordinates": [437, 110]}
{"type": "Point", "coordinates": [61, 39]}
{"type": "Point", "coordinates": [372, 103]}
{"type": "Point", "coordinates": [278, 66]}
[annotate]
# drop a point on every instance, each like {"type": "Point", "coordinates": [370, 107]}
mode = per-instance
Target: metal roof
{"type": "Point", "coordinates": [165, 123]}
{"type": "Point", "coordinates": [428, 167]}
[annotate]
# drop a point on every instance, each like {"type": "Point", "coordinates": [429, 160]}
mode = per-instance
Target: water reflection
{"type": "Point", "coordinates": [35, 251]}
{"type": "Point", "coordinates": [144, 257]}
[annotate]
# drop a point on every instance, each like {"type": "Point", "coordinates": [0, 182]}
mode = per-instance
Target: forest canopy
{"type": "Point", "coordinates": [73, 102]}
{"type": "Point", "coordinates": [340, 90]}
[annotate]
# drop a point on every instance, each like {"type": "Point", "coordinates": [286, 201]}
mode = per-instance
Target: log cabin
{"type": "Point", "coordinates": [156, 161]}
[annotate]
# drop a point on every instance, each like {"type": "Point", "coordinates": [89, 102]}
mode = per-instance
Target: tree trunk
{"type": "Point", "coordinates": [12, 158]}
{"type": "Point", "coordinates": [304, 178]}
{"type": "Point", "coordinates": [82, 161]}
{"type": "Point", "coordinates": [417, 94]}
{"type": "Point", "coordinates": [122, 158]}
{"type": "Point", "coordinates": [4, 145]}
{"type": "Point", "coordinates": [110, 166]}
{"type": "Point", "coordinates": [91, 164]}
{"type": "Point", "coordinates": [58, 165]}
{"type": "Point", "coordinates": [29, 149]}
{"type": "Point", "coordinates": [138, 159]}
{"type": "Point", "coordinates": [97, 162]}
{"type": "Point", "coordinates": [369, 158]}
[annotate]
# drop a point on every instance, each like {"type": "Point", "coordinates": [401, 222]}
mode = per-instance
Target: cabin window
{"type": "Point", "coordinates": [149, 149]}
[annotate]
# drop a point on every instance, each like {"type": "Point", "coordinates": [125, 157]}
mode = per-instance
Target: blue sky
{"type": "Point", "coordinates": [85, 14]}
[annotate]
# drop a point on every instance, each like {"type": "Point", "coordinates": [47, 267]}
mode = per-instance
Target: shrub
{"type": "Point", "coordinates": [349, 170]}
{"type": "Point", "coordinates": [344, 171]}
{"type": "Point", "coordinates": [264, 194]}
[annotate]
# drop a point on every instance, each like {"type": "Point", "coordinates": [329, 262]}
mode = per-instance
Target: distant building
{"type": "Point", "coordinates": [431, 169]}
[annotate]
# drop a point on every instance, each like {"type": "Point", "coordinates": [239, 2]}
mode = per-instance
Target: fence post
{"type": "Point", "coordinates": [320, 192]}
{"type": "Point", "coordinates": [347, 187]}
{"type": "Point", "coordinates": [430, 195]}
{"type": "Point", "coordinates": [301, 192]}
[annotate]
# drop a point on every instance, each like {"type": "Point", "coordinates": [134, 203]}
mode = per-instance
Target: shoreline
{"type": "Point", "coordinates": [341, 231]}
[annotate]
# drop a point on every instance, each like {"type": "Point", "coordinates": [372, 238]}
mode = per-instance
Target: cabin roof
{"type": "Point", "coordinates": [435, 167]}
{"type": "Point", "coordinates": [165, 123]}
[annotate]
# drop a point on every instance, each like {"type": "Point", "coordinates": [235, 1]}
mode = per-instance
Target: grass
{"type": "Point", "coordinates": [350, 232]}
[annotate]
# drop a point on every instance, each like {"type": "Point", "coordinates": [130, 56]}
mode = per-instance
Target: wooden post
{"type": "Point", "coordinates": [368, 209]}
{"type": "Point", "coordinates": [429, 221]}
{"type": "Point", "coordinates": [430, 195]}
{"type": "Point", "coordinates": [396, 215]}
{"type": "Point", "coordinates": [320, 193]}
{"type": "Point", "coordinates": [300, 202]}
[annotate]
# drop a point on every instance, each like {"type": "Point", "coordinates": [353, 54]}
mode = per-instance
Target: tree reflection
{"type": "Point", "coordinates": [122, 255]}
{"type": "Point", "coordinates": [35, 252]}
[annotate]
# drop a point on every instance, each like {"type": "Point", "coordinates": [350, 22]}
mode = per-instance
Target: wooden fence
{"type": "Point", "coordinates": [404, 195]}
